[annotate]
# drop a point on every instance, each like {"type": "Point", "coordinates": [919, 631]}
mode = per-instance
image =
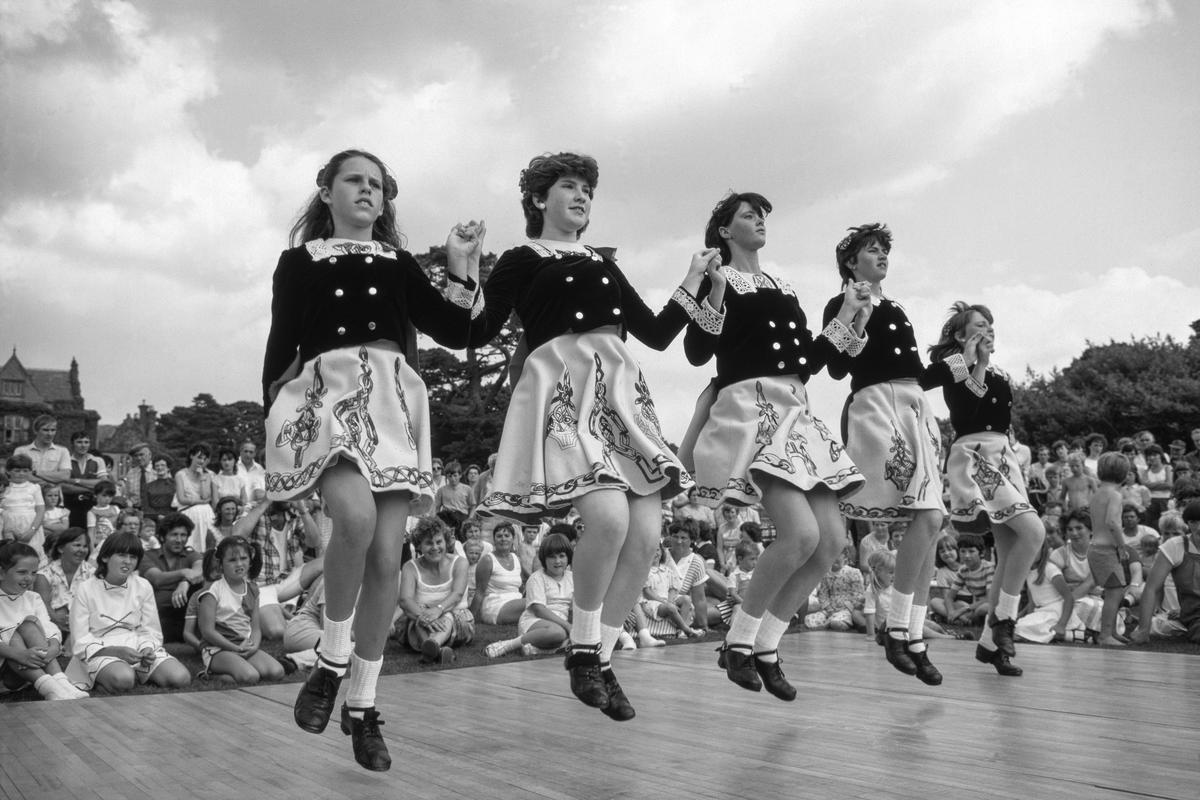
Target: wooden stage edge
{"type": "Point", "coordinates": [1081, 723]}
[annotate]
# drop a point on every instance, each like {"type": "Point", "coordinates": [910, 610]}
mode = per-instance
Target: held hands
{"type": "Point", "coordinates": [465, 245]}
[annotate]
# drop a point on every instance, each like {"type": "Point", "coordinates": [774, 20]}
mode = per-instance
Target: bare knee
{"type": "Point", "coordinates": [116, 677]}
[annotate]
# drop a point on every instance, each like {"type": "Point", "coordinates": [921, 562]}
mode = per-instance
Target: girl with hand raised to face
{"type": "Point", "coordinates": [346, 413]}
{"type": "Point", "coordinates": [581, 428]}
{"type": "Point", "coordinates": [754, 438]}
{"type": "Point", "coordinates": [987, 488]}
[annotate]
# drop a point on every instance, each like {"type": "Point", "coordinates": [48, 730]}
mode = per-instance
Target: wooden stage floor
{"type": "Point", "coordinates": [1081, 723]}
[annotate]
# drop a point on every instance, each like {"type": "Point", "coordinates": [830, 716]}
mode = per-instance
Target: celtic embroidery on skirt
{"type": "Point", "coordinates": [607, 426]}
{"type": "Point", "coordinates": [899, 469]}
{"type": "Point", "coordinates": [768, 418]}
{"type": "Point", "coordinates": [408, 427]}
{"type": "Point", "coordinates": [563, 423]}
{"type": "Point", "coordinates": [302, 431]}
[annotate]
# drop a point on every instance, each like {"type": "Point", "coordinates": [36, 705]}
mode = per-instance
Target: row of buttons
{"type": "Point", "coordinates": [342, 331]}
{"type": "Point", "coordinates": [370, 290]}
{"type": "Point", "coordinates": [616, 312]}
{"type": "Point", "coordinates": [368, 259]}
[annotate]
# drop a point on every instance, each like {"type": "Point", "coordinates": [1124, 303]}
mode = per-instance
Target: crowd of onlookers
{"type": "Point", "coordinates": [99, 573]}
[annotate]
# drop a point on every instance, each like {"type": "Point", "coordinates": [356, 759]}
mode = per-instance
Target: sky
{"type": "Point", "coordinates": [1040, 158]}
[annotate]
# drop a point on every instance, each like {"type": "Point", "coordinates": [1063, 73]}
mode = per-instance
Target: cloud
{"type": "Point", "coordinates": [24, 25]}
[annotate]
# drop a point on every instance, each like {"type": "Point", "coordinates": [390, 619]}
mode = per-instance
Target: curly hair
{"type": "Point", "coordinates": [425, 529]}
{"type": "Point", "coordinates": [542, 173]}
{"type": "Point", "coordinates": [316, 220]}
{"type": "Point", "coordinates": [722, 215]}
{"type": "Point", "coordinates": [858, 237]}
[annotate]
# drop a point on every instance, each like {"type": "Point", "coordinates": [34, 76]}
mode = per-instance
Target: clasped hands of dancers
{"type": "Point", "coordinates": [347, 414]}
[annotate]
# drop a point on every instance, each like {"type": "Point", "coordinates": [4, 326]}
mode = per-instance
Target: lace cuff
{"type": "Point", "coordinates": [463, 296]}
{"type": "Point", "coordinates": [975, 387]}
{"type": "Point", "coordinates": [704, 315]}
{"type": "Point", "coordinates": [843, 338]}
{"type": "Point", "coordinates": [958, 367]}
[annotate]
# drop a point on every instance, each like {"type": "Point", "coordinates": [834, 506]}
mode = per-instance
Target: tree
{"type": "Point", "coordinates": [212, 423]}
{"type": "Point", "coordinates": [1116, 389]}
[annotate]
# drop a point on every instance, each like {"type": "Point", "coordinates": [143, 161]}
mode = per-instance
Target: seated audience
{"type": "Point", "coordinates": [1071, 559]}
{"type": "Point", "coordinates": [227, 616]}
{"type": "Point", "coordinates": [175, 573]}
{"type": "Point", "coordinates": [115, 657]}
{"type": "Point", "coordinates": [194, 493]}
{"type": "Point", "coordinates": [746, 555]}
{"type": "Point", "coordinates": [69, 566]}
{"type": "Point", "coordinates": [876, 539]}
{"type": "Point", "coordinates": [973, 578]}
{"type": "Point", "coordinates": [160, 490]}
{"type": "Point", "coordinates": [304, 628]}
{"type": "Point", "coordinates": [282, 532]}
{"type": "Point", "coordinates": [661, 597]}
{"type": "Point", "coordinates": [1158, 477]}
{"type": "Point", "coordinates": [840, 599]}
{"type": "Point", "coordinates": [545, 623]}
{"type": "Point", "coordinates": [433, 595]}
{"type": "Point", "coordinates": [102, 517]}
{"type": "Point", "coordinates": [1179, 558]}
{"type": "Point", "coordinates": [945, 564]}
{"type": "Point", "coordinates": [29, 642]}
{"type": "Point", "coordinates": [1050, 614]}
{"type": "Point", "coordinates": [498, 581]}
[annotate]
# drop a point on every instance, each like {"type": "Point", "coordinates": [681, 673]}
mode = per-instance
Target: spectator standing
{"type": "Point", "coordinates": [86, 469]}
{"type": "Point", "coordinates": [51, 462]}
{"type": "Point", "coordinates": [254, 476]}
{"type": "Point", "coordinates": [102, 518]}
{"type": "Point", "coordinates": [1094, 445]}
{"type": "Point", "coordinates": [139, 475]}
{"type": "Point", "coordinates": [21, 506]}
{"type": "Point", "coordinates": [227, 482]}
{"type": "Point", "coordinates": [1078, 485]}
{"type": "Point", "coordinates": [1159, 479]}
{"type": "Point", "coordinates": [1108, 557]}
{"type": "Point", "coordinates": [452, 502]}
{"type": "Point", "coordinates": [1134, 493]}
{"type": "Point", "coordinates": [194, 493]}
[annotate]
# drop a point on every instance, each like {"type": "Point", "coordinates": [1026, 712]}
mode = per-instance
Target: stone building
{"type": "Point", "coordinates": [25, 394]}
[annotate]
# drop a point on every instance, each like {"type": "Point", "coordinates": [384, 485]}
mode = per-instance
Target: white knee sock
{"type": "Point", "coordinates": [985, 638]}
{"type": "Point", "coordinates": [742, 628]}
{"type": "Point", "coordinates": [766, 641]}
{"type": "Point", "coordinates": [363, 677]}
{"type": "Point", "coordinates": [1007, 605]}
{"type": "Point", "coordinates": [900, 611]}
{"type": "Point", "coordinates": [585, 627]}
{"type": "Point", "coordinates": [334, 650]}
{"type": "Point", "coordinates": [608, 641]}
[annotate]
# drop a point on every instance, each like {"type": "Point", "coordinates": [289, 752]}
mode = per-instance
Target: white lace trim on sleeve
{"type": "Point", "coordinates": [958, 367]}
{"type": "Point", "coordinates": [844, 339]}
{"type": "Point", "coordinates": [463, 297]}
{"type": "Point", "coordinates": [704, 315]}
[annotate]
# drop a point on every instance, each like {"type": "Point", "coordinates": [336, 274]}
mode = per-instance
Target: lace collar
{"type": "Point", "coordinates": [321, 249]}
{"type": "Point", "coordinates": [748, 283]}
{"type": "Point", "coordinates": [547, 248]}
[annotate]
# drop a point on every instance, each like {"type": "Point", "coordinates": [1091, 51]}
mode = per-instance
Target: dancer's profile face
{"type": "Point", "coordinates": [747, 229]}
{"type": "Point", "coordinates": [870, 263]}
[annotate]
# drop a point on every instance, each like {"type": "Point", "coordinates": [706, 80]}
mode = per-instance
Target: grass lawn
{"type": "Point", "coordinates": [398, 659]}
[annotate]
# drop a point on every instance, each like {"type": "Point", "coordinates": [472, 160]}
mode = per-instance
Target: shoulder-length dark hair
{"type": "Point", "coordinates": [960, 315]}
{"type": "Point", "coordinates": [316, 220]}
{"type": "Point", "coordinates": [722, 215]}
{"type": "Point", "coordinates": [118, 544]}
{"type": "Point", "coordinates": [543, 171]}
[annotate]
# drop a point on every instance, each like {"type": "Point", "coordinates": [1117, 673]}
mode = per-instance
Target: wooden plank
{"type": "Point", "coordinates": [858, 729]}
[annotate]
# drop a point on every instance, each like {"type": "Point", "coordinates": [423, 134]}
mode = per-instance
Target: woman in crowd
{"type": "Point", "coordinates": [227, 482]}
{"type": "Point", "coordinates": [581, 428]}
{"type": "Point", "coordinates": [348, 415]}
{"type": "Point", "coordinates": [1051, 615]}
{"type": "Point", "coordinates": [987, 489]}
{"type": "Point", "coordinates": [757, 440]}
{"type": "Point", "coordinates": [892, 435]}
{"type": "Point", "coordinates": [194, 494]}
{"type": "Point", "coordinates": [1071, 559]}
{"type": "Point", "coordinates": [69, 567]}
{"type": "Point", "coordinates": [433, 595]}
{"type": "Point", "coordinates": [498, 580]}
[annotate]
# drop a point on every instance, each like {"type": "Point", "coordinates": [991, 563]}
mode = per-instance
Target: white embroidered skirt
{"type": "Point", "coordinates": [580, 419]}
{"type": "Point", "coordinates": [762, 426]}
{"type": "Point", "coordinates": [363, 404]}
{"type": "Point", "coordinates": [986, 485]}
{"type": "Point", "coordinates": [893, 437]}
